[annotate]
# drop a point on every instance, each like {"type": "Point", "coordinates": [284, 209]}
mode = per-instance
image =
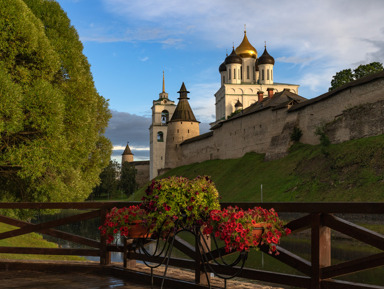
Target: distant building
{"type": "Point", "coordinates": [142, 167]}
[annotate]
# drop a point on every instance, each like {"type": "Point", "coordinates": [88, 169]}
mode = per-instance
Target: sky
{"type": "Point", "coordinates": [130, 43]}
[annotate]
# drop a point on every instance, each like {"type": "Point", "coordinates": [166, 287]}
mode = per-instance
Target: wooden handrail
{"type": "Point", "coordinates": [316, 217]}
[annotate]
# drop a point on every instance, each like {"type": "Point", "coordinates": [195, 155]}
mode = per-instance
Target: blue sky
{"type": "Point", "coordinates": [129, 44]}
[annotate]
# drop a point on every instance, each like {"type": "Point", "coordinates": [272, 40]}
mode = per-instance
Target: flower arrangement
{"type": "Point", "coordinates": [235, 227]}
{"type": "Point", "coordinates": [122, 220]}
{"type": "Point", "coordinates": [188, 202]}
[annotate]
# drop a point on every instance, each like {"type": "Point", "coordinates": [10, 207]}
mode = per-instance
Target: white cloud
{"type": "Point", "coordinates": [144, 58]}
{"type": "Point", "coordinates": [318, 35]}
{"type": "Point", "coordinates": [121, 148]}
{"type": "Point", "coordinates": [202, 101]}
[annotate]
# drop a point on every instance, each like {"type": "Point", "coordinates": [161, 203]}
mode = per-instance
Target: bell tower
{"type": "Point", "coordinates": [162, 112]}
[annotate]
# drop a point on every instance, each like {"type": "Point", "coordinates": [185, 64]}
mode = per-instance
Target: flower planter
{"type": "Point", "coordinates": [257, 231]}
{"type": "Point", "coordinates": [137, 230]}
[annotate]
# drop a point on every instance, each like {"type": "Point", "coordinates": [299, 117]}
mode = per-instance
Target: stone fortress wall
{"type": "Point", "coordinates": [353, 111]}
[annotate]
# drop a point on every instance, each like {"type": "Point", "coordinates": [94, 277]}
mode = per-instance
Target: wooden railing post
{"type": "Point", "coordinates": [320, 249]}
{"type": "Point", "coordinates": [127, 262]}
{"type": "Point", "coordinates": [202, 244]}
{"type": "Point", "coordinates": [105, 255]}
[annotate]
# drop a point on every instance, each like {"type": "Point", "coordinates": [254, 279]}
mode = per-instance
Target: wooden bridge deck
{"type": "Point", "coordinates": [90, 275]}
{"type": "Point", "coordinates": [39, 280]}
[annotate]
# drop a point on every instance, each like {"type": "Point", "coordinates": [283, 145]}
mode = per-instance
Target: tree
{"type": "Point", "coordinates": [364, 70]}
{"type": "Point", "coordinates": [341, 78]}
{"type": "Point", "coordinates": [52, 119]}
{"type": "Point", "coordinates": [128, 178]}
{"type": "Point", "coordinates": [345, 76]}
{"type": "Point", "coordinates": [109, 181]}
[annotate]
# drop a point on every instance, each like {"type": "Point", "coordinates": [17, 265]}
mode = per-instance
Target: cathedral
{"type": "Point", "coordinates": [245, 78]}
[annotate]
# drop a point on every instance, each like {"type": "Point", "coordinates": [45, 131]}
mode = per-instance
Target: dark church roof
{"type": "Point", "coordinates": [266, 58]}
{"type": "Point", "coordinates": [279, 100]}
{"type": "Point", "coordinates": [233, 58]}
{"type": "Point", "coordinates": [127, 151]}
{"type": "Point", "coordinates": [183, 111]}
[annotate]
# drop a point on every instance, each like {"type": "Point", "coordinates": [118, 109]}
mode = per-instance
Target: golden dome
{"type": "Point", "coordinates": [245, 49]}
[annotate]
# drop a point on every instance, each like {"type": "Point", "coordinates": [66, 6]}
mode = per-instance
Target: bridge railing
{"type": "Point", "coordinates": [318, 218]}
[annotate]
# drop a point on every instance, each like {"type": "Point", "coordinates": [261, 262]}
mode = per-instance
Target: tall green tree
{"type": "Point", "coordinates": [345, 76]}
{"type": "Point", "coordinates": [109, 181]}
{"type": "Point", "coordinates": [128, 183]}
{"type": "Point", "coordinates": [52, 119]}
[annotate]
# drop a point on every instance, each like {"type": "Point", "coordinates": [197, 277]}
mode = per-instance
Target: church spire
{"type": "Point", "coordinates": [163, 83]}
{"type": "Point", "coordinates": [163, 94]}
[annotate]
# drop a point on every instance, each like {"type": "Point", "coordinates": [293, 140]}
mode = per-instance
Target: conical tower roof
{"type": "Point", "coordinates": [245, 49]}
{"type": "Point", "coordinates": [183, 111]}
{"type": "Point", "coordinates": [127, 151]}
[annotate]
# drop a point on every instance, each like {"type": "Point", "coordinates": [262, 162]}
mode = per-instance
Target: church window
{"type": "Point", "coordinates": [247, 71]}
{"type": "Point", "coordinates": [177, 131]}
{"type": "Point", "coordinates": [188, 131]}
{"type": "Point", "coordinates": [253, 73]}
{"type": "Point", "coordinates": [164, 117]}
{"type": "Point", "coordinates": [241, 72]}
{"type": "Point", "coordinates": [262, 74]}
{"type": "Point", "coordinates": [267, 74]}
{"type": "Point", "coordinates": [160, 136]}
{"type": "Point", "coordinates": [234, 73]}
{"type": "Point", "coordinates": [229, 76]}
{"type": "Point", "coordinates": [161, 158]}
{"type": "Point", "coordinates": [223, 79]}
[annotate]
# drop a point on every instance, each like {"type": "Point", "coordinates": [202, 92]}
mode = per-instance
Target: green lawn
{"type": "Point", "coordinates": [30, 240]}
{"type": "Point", "coordinates": [351, 171]}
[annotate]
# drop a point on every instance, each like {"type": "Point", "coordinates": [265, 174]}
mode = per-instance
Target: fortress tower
{"type": "Point", "coordinates": [183, 125]}
{"type": "Point", "coordinates": [127, 155]}
{"type": "Point", "coordinates": [162, 112]}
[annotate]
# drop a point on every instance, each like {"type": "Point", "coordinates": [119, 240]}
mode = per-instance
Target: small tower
{"type": "Point", "coordinates": [238, 106]}
{"type": "Point", "coordinates": [233, 67]}
{"type": "Point", "coordinates": [127, 155]}
{"type": "Point", "coordinates": [162, 111]}
{"type": "Point", "coordinates": [265, 64]}
{"type": "Point", "coordinates": [181, 127]}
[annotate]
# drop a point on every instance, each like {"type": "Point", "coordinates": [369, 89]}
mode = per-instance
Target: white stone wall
{"type": "Point", "coordinates": [249, 62]}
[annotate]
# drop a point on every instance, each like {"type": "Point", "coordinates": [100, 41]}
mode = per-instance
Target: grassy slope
{"type": "Point", "coordinates": [351, 171]}
{"type": "Point", "coordinates": [30, 240]}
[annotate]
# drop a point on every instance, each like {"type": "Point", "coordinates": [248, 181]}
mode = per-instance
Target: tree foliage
{"type": "Point", "coordinates": [52, 119]}
{"type": "Point", "coordinates": [109, 181]}
{"type": "Point", "coordinates": [116, 180]}
{"type": "Point", "coordinates": [128, 183]}
{"type": "Point", "coordinates": [345, 76]}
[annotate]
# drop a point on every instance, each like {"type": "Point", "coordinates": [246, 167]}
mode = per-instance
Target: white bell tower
{"type": "Point", "coordinates": [162, 111]}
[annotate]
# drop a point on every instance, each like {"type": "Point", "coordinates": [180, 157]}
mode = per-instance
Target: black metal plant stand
{"type": "Point", "coordinates": [163, 250]}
